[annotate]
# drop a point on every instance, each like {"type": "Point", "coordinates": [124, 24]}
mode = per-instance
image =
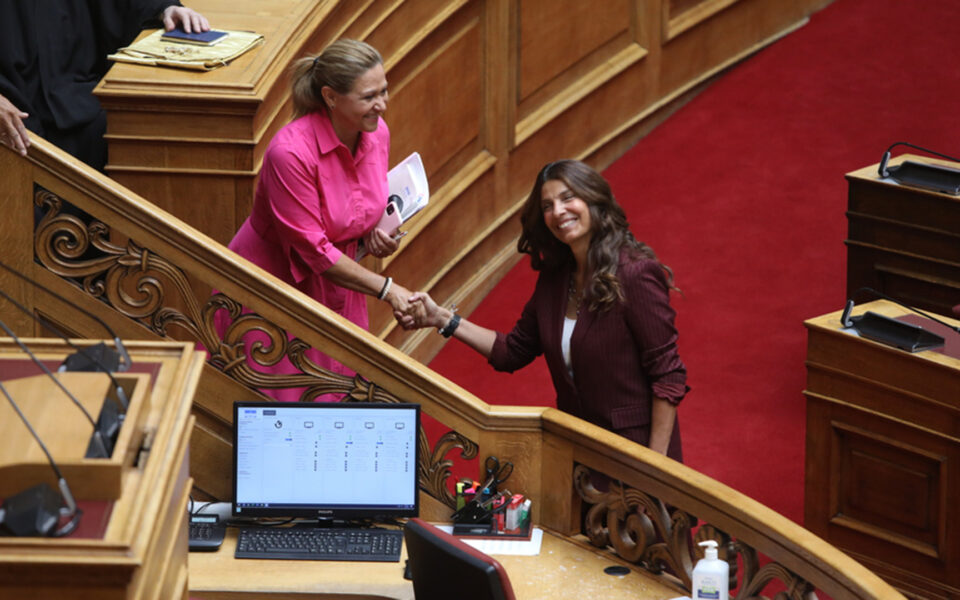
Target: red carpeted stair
{"type": "Point", "coordinates": [742, 193]}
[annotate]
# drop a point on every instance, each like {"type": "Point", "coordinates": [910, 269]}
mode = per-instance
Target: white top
{"type": "Point", "coordinates": [568, 325]}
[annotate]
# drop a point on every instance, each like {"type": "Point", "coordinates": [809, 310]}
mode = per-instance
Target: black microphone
{"type": "Point", "coordinates": [37, 510]}
{"type": "Point", "coordinates": [884, 172]}
{"type": "Point", "coordinates": [94, 355]}
{"type": "Point", "coordinates": [929, 176]}
{"type": "Point", "coordinates": [97, 447]}
{"type": "Point", "coordinates": [883, 163]}
{"type": "Point", "coordinates": [892, 332]}
{"type": "Point", "coordinates": [99, 354]}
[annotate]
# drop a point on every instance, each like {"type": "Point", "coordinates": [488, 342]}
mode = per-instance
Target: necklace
{"type": "Point", "coordinates": [573, 295]}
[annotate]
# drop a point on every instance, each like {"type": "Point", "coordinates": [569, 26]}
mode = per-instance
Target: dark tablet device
{"type": "Point", "coordinates": [200, 38]}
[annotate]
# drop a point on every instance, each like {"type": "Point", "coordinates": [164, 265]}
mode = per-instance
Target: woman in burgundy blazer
{"type": "Point", "coordinates": [607, 294]}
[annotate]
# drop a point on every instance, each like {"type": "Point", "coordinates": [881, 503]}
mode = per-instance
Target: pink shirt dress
{"type": "Point", "coordinates": [314, 201]}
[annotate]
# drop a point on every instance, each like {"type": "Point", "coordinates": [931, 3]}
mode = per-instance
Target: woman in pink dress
{"type": "Point", "coordinates": [323, 188]}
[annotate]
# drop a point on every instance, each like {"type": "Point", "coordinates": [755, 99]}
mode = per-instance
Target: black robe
{"type": "Point", "coordinates": [52, 55]}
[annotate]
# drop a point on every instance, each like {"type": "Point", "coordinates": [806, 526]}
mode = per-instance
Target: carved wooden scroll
{"type": "Point", "coordinates": [643, 530]}
{"type": "Point", "coordinates": [149, 289]}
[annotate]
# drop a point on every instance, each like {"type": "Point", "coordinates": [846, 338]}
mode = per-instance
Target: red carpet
{"type": "Point", "coordinates": [742, 193]}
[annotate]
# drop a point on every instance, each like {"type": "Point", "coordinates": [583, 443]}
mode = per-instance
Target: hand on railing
{"type": "Point", "coordinates": [13, 133]}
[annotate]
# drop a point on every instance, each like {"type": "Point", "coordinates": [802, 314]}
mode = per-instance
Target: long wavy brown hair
{"type": "Point", "coordinates": [610, 233]}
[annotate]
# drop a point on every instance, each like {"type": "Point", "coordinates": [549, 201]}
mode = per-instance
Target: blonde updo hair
{"type": "Point", "coordinates": [338, 66]}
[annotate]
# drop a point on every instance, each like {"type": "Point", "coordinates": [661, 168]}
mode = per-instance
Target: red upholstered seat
{"type": "Point", "coordinates": [443, 566]}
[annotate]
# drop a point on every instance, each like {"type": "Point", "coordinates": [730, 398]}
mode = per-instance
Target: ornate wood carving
{"type": "Point", "coordinates": [149, 289]}
{"type": "Point", "coordinates": [438, 469]}
{"type": "Point", "coordinates": [641, 529]}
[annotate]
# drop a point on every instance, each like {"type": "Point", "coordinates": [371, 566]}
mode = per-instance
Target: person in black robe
{"type": "Point", "coordinates": [52, 55]}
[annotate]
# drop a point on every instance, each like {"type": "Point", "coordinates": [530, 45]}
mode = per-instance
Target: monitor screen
{"type": "Point", "coordinates": [325, 460]}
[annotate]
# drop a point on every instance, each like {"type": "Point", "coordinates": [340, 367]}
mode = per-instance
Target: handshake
{"type": "Point", "coordinates": [418, 310]}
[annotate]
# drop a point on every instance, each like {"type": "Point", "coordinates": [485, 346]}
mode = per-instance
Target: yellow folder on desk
{"type": "Point", "coordinates": [156, 51]}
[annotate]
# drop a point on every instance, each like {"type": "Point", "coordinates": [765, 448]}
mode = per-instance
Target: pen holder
{"type": "Point", "coordinates": [471, 513]}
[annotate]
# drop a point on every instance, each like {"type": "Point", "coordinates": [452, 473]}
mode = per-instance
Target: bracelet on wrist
{"type": "Point", "coordinates": [385, 289]}
{"type": "Point", "coordinates": [451, 326]}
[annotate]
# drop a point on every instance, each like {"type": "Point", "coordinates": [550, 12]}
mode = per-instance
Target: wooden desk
{"type": "Point", "coordinates": [883, 454]}
{"type": "Point", "coordinates": [191, 142]}
{"type": "Point", "coordinates": [131, 543]}
{"type": "Point", "coordinates": [903, 241]}
{"type": "Point", "coordinates": [563, 569]}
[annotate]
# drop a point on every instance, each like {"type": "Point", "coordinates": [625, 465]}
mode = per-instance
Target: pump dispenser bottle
{"type": "Point", "coordinates": [711, 576]}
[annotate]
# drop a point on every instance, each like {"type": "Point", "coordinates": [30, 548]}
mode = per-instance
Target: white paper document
{"type": "Point", "coordinates": [408, 186]}
{"type": "Point", "coordinates": [505, 546]}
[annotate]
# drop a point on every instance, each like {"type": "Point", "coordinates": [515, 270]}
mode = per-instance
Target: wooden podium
{"type": "Point", "coordinates": [66, 430]}
{"type": "Point", "coordinates": [903, 241]}
{"type": "Point", "coordinates": [883, 452]}
{"type": "Point", "coordinates": [131, 542]}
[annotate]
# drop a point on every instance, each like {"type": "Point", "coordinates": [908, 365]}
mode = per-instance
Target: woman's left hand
{"type": "Point", "coordinates": [380, 244]}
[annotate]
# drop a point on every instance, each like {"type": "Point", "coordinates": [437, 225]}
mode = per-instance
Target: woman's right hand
{"type": "Point", "coordinates": [399, 298]}
{"type": "Point", "coordinates": [409, 309]}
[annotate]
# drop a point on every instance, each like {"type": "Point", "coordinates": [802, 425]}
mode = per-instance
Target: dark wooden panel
{"type": "Point", "coordinates": [903, 236]}
{"type": "Point", "coordinates": [903, 242]}
{"type": "Point", "coordinates": [868, 195]}
{"type": "Point", "coordinates": [878, 396]}
{"type": "Point", "coordinates": [873, 475]}
{"type": "Point", "coordinates": [879, 487]}
{"type": "Point", "coordinates": [883, 454]}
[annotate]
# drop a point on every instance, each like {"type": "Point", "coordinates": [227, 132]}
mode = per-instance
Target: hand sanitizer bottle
{"type": "Point", "coordinates": [711, 575]}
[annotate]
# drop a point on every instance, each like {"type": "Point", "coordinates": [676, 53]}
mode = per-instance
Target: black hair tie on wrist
{"type": "Point", "coordinates": [386, 288]}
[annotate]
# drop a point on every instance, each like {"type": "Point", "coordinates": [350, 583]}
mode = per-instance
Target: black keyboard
{"type": "Point", "coordinates": [315, 543]}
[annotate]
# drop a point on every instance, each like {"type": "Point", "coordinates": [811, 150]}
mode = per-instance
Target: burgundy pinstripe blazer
{"type": "Point", "coordinates": [621, 357]}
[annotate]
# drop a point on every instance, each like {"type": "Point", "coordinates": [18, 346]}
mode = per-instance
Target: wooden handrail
{"type": "Point", "coordinates": [552, 450]}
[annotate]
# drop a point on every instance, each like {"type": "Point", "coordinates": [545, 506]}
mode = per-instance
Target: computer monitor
{"type": "Point", "coordinates": [332, 461]}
